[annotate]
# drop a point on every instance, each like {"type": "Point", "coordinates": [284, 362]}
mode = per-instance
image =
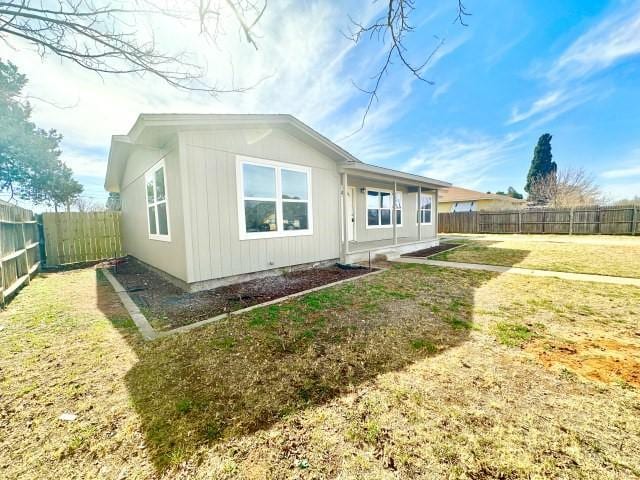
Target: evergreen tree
{"type": "Point", "coordinates": [30, 167]}
{"type": "Point", "coordinates": [542, 163]}
{"type": "Point", "coordinates": [513, 193]}
{"type": "Point", "coordinates": [113, 202]}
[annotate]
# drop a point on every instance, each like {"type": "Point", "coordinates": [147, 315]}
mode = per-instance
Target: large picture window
{"type": "Point", "coordinates": [157, 202]}
{"type": "Point", "coordinates": [426, 202]}
{"type": "Point", "coordinates": [274, 199]}
{"type": "Point", "coordinates": [379, 211]}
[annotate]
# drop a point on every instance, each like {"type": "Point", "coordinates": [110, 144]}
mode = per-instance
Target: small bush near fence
{"type": "Point", "coordinates": [609, 220]}
{"type": "Point", "coordinates": [19, 255]}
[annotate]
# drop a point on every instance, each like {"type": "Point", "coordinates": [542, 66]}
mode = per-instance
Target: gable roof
{"type": "Point", "coordinates": [154, 129]}
{"type": "Point", "coordinates": [459, 194]}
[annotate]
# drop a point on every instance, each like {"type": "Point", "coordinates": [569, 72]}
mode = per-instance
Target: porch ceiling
{"type": "Point", "coordinates": [366, 171]}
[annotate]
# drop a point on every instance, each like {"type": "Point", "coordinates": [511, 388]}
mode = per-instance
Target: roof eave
{"type": "Point", "coordinates": [395, 174]}
{"type": "Point", "coordinates": [118, 152]}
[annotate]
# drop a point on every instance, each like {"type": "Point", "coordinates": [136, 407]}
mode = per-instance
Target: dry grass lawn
{"type": "Point", "coordinates": [418, 372]}
{"type": "Point", "coordinates": [618, 256]}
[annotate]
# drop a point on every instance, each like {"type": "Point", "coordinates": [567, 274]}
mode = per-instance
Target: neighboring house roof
{"type": "Point", "coordinates": [152, 129]}
{"type": "Point", "coordinates": [458, 194]}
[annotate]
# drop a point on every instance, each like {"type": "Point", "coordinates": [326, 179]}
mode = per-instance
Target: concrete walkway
{"type": "Point", "coordinates": [584, 277]}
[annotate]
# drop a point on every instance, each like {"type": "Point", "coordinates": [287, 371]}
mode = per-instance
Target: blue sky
{"type": "Point", "coordinates": [520, 69]}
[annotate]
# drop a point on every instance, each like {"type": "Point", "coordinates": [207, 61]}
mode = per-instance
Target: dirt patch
{"type": "Point", "coordinates": [166, 306]}
{"type": "Point", "coordinates": [427, 252]}
{"type": "Point", "coordinates": [606, 361]}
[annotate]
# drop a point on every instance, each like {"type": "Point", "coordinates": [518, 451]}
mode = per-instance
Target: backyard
{"type": "Point", "coordinates": [418, 371]}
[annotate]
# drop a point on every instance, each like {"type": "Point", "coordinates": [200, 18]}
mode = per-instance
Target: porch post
{"type": "Point", "coordinates": [345, 238]}
{"type": "Point", "coordinates": [435, 213]}
{"type": "Point", "coordinates": [419, 212]}
{"type": "Point", "coordinates": [393, 213]}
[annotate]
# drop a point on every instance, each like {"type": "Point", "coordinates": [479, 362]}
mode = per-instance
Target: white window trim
{"type": "Point", "coordinates": [151, 173]}
{"type": "Point", "coordinates": [393, 210]}
{"type": "Point", "coordinates": [280, 232]}
{"type": "Point", "coordinates": [425, 209]}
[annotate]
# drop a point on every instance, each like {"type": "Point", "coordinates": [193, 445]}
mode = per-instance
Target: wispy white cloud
{"type": "Point", "coordinates": [615, 38]}
{"type": "Point", "coordinates": [630, 167]}
{"type": "Point", "coordinates": [547, 102]}
{"type": "Point", "coordinates": [568, 81]}
{"type": "Point", "coordinates": [621, 190]}
{"type": "Point", "coordinates": [440, 90]}
{"type": "Point", "coordinates": [622, 173]}
{"type": "Point", "coordinates": [87, 164]}
{"type": "Point", "coordinates": [463, 159]}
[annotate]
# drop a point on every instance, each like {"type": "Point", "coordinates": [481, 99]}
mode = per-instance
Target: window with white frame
{"type": "Point", "coordinates": [157, 202]}
{"type": "Point", "coordinates": [274, 198]}
{"type": "Point", "coordinates": [379, 212]}
{"type": "Point", "coordinates": [424, 212]}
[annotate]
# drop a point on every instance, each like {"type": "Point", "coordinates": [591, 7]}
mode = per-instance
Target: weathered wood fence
{"type": "Point", "coordinates": [19, 254]}
{"type": "Point", "coordinates": [606, 220]}
{"type": "Point", "coordinates": [79, 237]}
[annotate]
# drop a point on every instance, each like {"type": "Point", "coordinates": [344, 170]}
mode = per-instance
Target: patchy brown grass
{"type": "Point", "coordinates": [603, 256]}
{"type": "Point", "coordinates": [406, 374]}
{"type": "Point", "coordinates": [601, 360]}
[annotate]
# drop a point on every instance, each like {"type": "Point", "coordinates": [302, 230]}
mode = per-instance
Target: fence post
{"type": "Point", "coordinates": [2, 226]}
{"type": "Point", "coordinates": [519, 221]}
{"type": "Point", "coordinates": [598, 218]}
{"type": "Point", "coordinates": [26, 255]}
{"type": "Point", "coordinates": [634, 221]}
{"type": "Point", "coordinates": [477, 214]}
{"type": "Point", "coordinates": [571, 221]}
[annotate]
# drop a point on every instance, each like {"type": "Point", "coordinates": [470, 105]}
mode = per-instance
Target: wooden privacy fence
{"type": "Point", "coordinates": [19, 255]}
{"type": "Point", "coordinates": [78, 237]}
{"type": "Point", "coordinates": [609, 220]}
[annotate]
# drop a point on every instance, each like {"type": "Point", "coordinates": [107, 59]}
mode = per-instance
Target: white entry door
{"type": "Point", "coordinates": [351, 213]}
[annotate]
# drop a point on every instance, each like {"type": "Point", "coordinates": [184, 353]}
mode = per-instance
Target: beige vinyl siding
{"type": "Point", "coordinates": [208, 158]}
{"type": "Point", "coordinates": [168, 256]}
{"type": "Point", "coordinates": [409, 228]}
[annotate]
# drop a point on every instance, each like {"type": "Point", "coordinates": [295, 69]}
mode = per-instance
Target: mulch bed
{"type": "Point", "coordinates": [427, 252]}
{"type": "Point", "coordinates": [166, 306]}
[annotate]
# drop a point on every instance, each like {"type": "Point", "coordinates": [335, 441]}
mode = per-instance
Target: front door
{"type": "Point", "coordinates": [351, 213]}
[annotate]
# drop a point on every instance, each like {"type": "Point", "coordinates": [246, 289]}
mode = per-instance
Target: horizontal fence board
{"type": "Point", "coordinates": [605, 220]}
{"type": "Point", "coordinates": [79, 237]}
{"type": "Point", "coordinates": [19, 257]}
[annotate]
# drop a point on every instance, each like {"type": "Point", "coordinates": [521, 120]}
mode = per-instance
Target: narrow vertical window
{"type": "Point", "coordinates": [157, 202]}
{"type": "Point", "coordinates": [425, 208]}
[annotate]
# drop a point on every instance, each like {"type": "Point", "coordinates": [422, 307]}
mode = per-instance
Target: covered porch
{"type": "Point", "coordinates": [385, 212]}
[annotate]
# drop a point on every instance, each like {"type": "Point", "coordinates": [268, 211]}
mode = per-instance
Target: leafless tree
{"type": "Point", "coordinates": [102, 36]}
{"type": "Point", "coordinates": [392, 30]}
{"type": "Point", "coordinates": [84, 204]}
{"type": "Point", "coordinates": [566, 188]}
{"type": "Point", "coordinates": [635, 200]}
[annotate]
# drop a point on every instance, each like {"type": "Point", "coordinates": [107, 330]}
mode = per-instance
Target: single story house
{"type": "Point", "coordinates": [457, 199]}
{"type": "Point", "coordinates": [215, 199]}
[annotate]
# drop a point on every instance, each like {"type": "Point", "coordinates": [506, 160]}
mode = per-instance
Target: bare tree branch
{"type": "Point", "coordinates": [462, 13]}
{"type": "Point", "coordinates": [393, 29]}
{"type": "Point", "coordinates": [103, 38]}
